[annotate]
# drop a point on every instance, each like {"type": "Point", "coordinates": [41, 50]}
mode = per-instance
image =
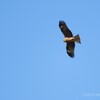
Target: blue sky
{"type": "Point", "coordinates": [33, 60]}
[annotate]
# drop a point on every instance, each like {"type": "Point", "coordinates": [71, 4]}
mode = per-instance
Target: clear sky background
{"type": "Point", "coordinates": [33, 60]}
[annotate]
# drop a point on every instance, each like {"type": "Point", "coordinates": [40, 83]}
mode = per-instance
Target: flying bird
{"type": "Point", "coordinates": [69, 38]}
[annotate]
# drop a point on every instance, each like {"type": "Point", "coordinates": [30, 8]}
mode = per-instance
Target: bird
{"type": "Point", "coordinates": [69, 38]}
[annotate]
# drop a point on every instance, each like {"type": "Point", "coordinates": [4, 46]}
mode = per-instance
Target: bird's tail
{"type": "Point", "coordinates": [77, 38]}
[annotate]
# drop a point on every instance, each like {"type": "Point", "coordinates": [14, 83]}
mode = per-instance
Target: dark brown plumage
{"type": "Point", "coordinates": [70, 46]}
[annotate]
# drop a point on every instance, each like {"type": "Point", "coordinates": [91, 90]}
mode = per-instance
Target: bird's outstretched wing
{"type": "Point", "coordinates": [67, 33]}
{"type": "Point", "coordinates": [70, 49]}
{"type": "Point", "coordinates": [65, 30]}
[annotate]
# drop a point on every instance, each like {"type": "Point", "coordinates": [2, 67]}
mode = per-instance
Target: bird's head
{"type": "Point", "coordinates": [61, 24]}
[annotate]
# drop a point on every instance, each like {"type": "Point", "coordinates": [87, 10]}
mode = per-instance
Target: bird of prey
{"type": "Point", "coordinates": [69, 39]}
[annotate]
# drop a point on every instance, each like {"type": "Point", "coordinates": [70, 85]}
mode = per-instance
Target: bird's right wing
{"type": "Point", "coordinates": [70, 49]}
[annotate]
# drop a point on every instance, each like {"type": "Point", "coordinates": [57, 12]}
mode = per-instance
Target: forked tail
{"type": "Point", "coordinates": [77, 38]}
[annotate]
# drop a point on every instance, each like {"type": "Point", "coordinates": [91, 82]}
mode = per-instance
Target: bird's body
{"type": "Point", "coordinates": [70, 46]}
